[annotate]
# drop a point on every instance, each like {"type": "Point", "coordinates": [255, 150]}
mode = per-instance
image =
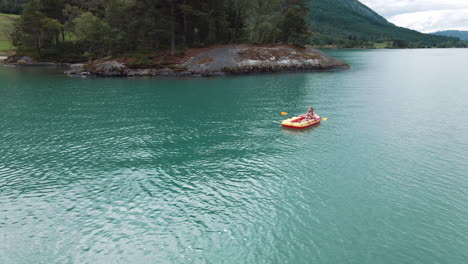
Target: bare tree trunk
{"type": "Point", "coordinates": [173, 31]}
{"type": "Point", "coordinates": [39, 46]}
{"type": "Point", "coordinates": [236, 21]}
{"type": "Point", "coordinates": [186, 35]}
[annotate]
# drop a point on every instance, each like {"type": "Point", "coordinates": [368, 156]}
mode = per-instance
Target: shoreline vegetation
{"type": "Point", "coordinates": [74, 31]}
{"type": "Point", "coordinates": [197, 37]}
{"type": "Point", "coordinates": [167, 37]}
{"type": "Point", "coordinates": [212, 61]}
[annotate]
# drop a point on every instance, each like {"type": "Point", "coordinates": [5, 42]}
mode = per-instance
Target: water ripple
{"type": "Point", "coordinates": [199, 171]}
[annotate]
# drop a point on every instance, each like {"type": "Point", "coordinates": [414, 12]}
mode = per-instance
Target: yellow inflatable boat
{"type": "Point", "coordinates": [301, 122]}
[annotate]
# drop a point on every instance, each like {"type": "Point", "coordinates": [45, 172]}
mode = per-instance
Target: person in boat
{"type": "Point", "coordinates": [310, 114]}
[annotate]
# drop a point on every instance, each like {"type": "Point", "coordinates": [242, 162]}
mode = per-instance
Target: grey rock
{"type": "Point", "coordinates": [76, 69]}
{"type": "Point", "coordinates": [241, 59]}
{"type": "Point", "coordinates": [139, 72]}
{"type": "Point", "coordinates": [218, 61]}
{"type": "Point", "coordinates": [109, 69]}
{"type": "Point", "coordinates": [24, 60]}
{"type": "Point", "coordinates": [163, 72]}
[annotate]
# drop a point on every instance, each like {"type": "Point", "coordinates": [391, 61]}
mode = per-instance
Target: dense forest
{"type": "Point", "coordinates": [11, 6]}
{"type": "Point", "coordinates": [94, 28]}
{"type": "Point", "coordinates": [463, 35]}
{"type": "Point", "coordinates": [78, 29]}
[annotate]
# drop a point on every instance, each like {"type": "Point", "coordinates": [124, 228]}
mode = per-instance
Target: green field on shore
{"type": "Point", "coordinates": [6, 21]}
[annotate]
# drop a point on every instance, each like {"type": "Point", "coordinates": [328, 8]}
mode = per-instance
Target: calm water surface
{"type": "Point", "coordinates": [199, 171]}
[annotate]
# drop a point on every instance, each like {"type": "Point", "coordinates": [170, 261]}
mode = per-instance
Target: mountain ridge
{"type": "Point", "coordinates": [461, 34]}
{"type": "Point", "coordinates": [350, 23]}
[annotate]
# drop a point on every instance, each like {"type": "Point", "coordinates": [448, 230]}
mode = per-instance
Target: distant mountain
{"type": "Point", "coordinates": [351, 23]}
{"type": "Point", "coordinates": [343, 10]}
{"type": "Point", "coordinates": [463, 35]}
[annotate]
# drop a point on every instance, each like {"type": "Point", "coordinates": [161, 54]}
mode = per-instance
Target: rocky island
{"type": "Point", "coordinates": [211, 61]}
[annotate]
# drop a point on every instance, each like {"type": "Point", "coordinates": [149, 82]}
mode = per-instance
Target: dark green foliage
{"type": "Point", "coordinates": [110, 27]}
{"type": "Point", "coordinates": [40, 29]}
{"type": "Point", "coordinates": [399, 43]}
{"type": "Point", "coordinates": [97, 28]}
{"type": "Point", "coordinates": [11, 6]}
{"type": "Point", "coordinates": [295, 27]}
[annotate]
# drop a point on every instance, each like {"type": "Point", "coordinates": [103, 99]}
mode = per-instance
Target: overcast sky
{"type": "Point", "coordinates": [423, 15]}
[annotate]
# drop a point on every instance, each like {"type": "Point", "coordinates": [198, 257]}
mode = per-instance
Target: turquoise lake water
{"type": "Point", "coordinates": [200, 171]}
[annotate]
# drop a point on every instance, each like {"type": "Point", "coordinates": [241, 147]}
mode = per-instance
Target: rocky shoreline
{"type": "Point", "coordinates": [214, 61]}
{"type": "Point", "coordinates": [25, 61]}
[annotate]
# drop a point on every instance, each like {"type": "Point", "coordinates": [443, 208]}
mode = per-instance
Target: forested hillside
{"type": "Point", "coordinates": [463, 35]}
{"type": "Point", "coordinates": [349, 23]}
{"type": "Point", "coordinates": [77, 29]}
{"type": "Point", "coordinates": [54, 28]}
